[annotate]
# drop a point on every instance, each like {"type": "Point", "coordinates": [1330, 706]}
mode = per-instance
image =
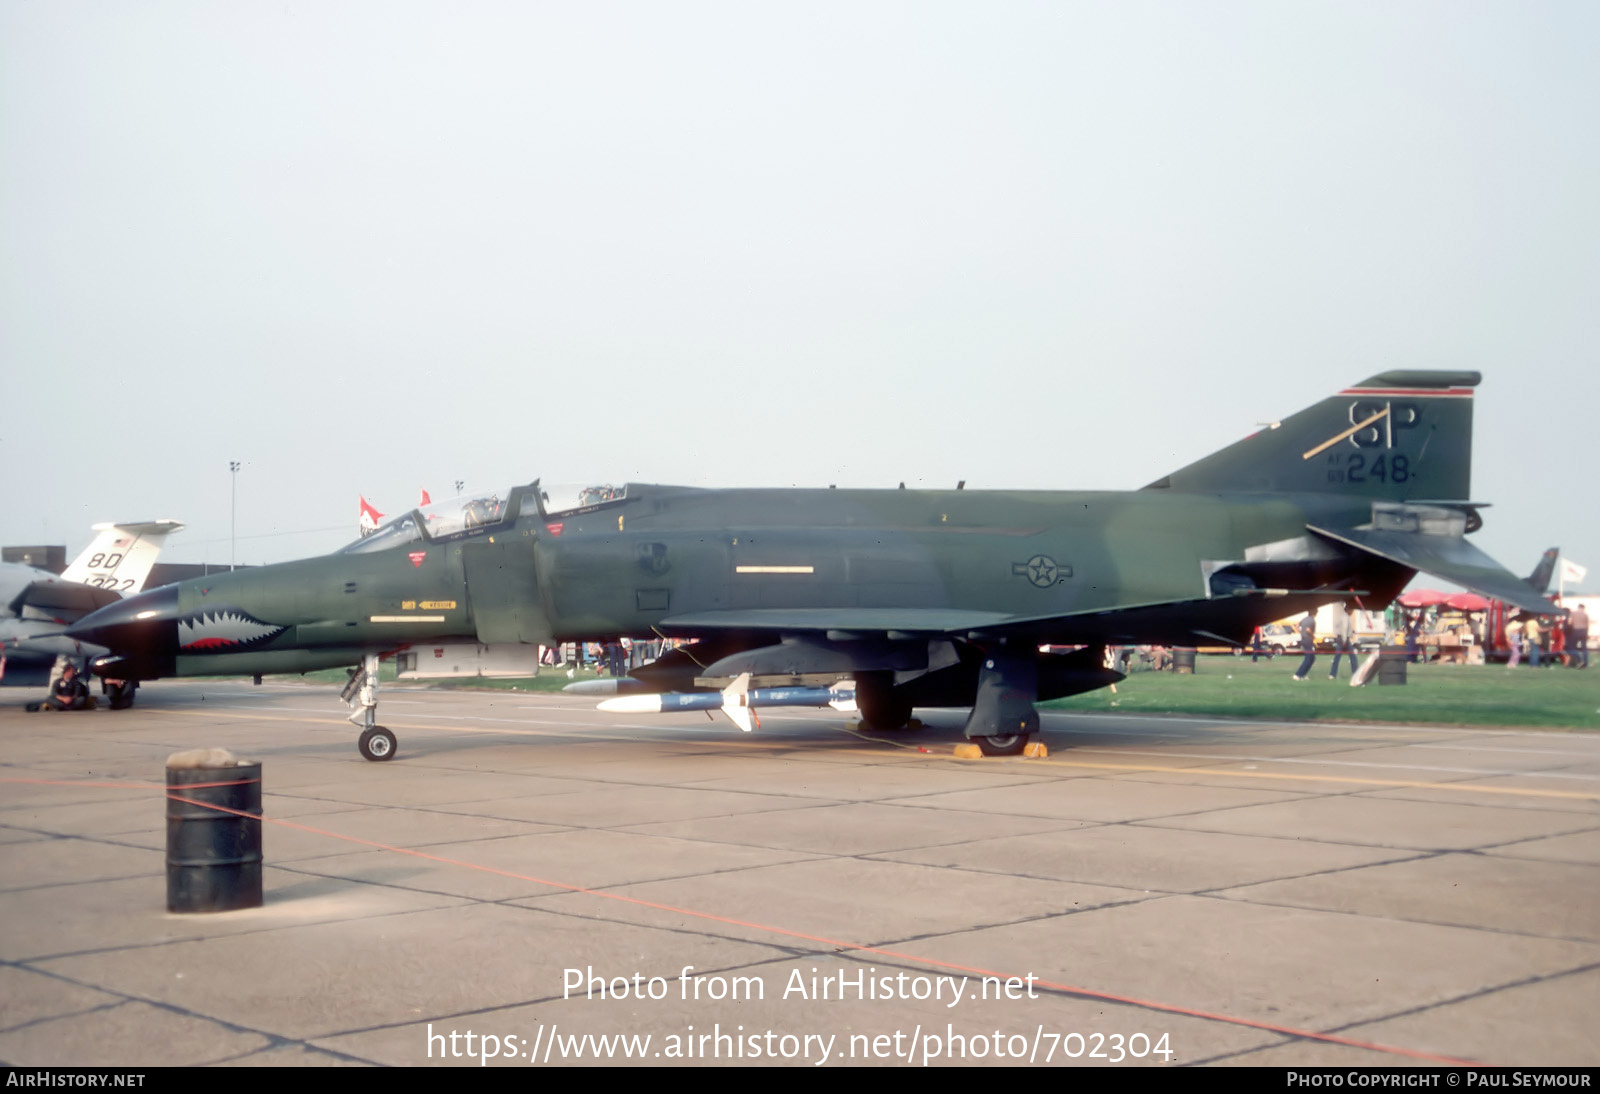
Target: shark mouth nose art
{"type": "Point", "coordinates": [224, 629]}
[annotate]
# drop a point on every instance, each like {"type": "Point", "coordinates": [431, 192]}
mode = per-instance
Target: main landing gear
{"type": "Point", "coordinates": [882, 710]}
{"type": "Point", "coordinates": [1003, 718]}
{"type": "Point", "coordinates": [361, 693]}
{"type": "Point", "coordinates": [120, 692]}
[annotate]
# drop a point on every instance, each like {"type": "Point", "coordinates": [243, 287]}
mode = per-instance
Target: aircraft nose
{"type": "Point", "coordinates": [147, 623]}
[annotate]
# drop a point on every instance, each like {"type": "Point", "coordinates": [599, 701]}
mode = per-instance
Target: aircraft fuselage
{"type": "Point", "coordinates": [663, 555]}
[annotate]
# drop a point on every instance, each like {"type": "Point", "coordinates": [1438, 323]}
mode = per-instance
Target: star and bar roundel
{"type": "Point", "coordinates": [1041, 570]}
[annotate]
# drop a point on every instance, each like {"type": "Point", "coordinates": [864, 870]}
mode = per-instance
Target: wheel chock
{"type": "Point", "coordinates": [1035, 750]}
{"type": "Point", "coordinates": [968, 751]}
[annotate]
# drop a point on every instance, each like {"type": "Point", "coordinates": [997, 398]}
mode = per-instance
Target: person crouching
{"type": "Point", "coordinates": [68, 693]}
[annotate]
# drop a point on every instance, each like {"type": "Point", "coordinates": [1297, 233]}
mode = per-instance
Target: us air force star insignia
{"type": "Point", "coordinates": [1041, 570]}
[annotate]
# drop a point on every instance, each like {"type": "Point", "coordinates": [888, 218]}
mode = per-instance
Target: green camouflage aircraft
{"type": "Point", "coordinates": [922, 598]}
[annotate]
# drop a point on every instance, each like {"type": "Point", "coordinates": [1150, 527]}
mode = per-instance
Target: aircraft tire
{"type": "Point", "coordinates": [378, 744]}
{"type": "Point", "coordinates": [881, 709]}
{"type": "Point", "coordinates": [888, 718]}
{"type": "Point", "coordinates": [1011, 744]}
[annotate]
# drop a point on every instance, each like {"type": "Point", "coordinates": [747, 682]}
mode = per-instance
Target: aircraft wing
{"type": "Point", "coordinates": [1449, 557]}
{"type": "Point", "coordinates": [1197, 620]}
{"type": "Point", "coordinates": [62, 601]}
{"type": "Point", "coordinates": [910, 621]}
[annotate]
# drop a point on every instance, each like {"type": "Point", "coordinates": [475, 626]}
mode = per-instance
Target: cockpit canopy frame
{"type": "Point", "coordinates": [478, 514]}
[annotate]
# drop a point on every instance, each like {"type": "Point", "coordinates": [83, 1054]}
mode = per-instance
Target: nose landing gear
{"type": "Point", "coordinates": [377, 743]}
{"type": "Point", "coordinates": [361, 693]}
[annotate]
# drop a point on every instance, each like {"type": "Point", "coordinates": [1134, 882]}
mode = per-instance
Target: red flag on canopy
{"type": "Point", "coordinates": [369, 518]}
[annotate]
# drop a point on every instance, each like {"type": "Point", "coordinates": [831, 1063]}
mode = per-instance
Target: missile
{"type": "Point", "coordinates": [736, 700]}
{"type": "Point", "coordinates": [607, 685]}
{"type": "Point", "coordinates": [671, 701]}
{"type": "Point", "coordinates": [663, 702]}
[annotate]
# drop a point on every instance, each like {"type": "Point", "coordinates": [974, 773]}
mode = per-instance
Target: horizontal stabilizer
{"type": "Point", "coordinates": [1449, 557]}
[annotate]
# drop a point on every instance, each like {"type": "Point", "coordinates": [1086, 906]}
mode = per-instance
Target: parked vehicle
{"type": "Point", "coordinates": [1280, 637]}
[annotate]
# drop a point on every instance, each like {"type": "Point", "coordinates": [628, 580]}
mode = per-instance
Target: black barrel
{"type": "Point", "coordinates": [213, 856]}
{"type": "Point", "coordinates": [1392, 665]}
{"type": "Point", "coordinates": [1183, 661]}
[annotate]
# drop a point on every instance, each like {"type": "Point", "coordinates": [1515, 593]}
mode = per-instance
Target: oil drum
{"type": "Point", "coordinates": [213, 854]}
{"type": "Point", "coordinates": [1392, 665]}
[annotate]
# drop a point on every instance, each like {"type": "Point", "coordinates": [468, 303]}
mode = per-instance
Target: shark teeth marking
{"type": "Point", "coordinates": [224, 628]}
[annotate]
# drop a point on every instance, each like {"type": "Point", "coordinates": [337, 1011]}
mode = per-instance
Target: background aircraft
{"type": "Point", "coordinates": [36, 606]}
{"type": "Point", "coordinates": [920, 597]}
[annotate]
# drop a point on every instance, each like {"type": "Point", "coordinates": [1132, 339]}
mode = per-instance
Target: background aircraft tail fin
{"type": "Point", "coordinates": [1542, 573]}
{"type": "Point", "coordinates": [121, 555]}
{"type": "Point", "coordinates": [1404, 435]}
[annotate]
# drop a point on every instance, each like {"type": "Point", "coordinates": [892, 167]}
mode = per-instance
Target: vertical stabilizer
{"type": "Point", "coordinates": [121, 556]}
{"type": "Point", "coordinates": [1400, 436]}
{"type": "Point", "coordinates": [1542, 573]}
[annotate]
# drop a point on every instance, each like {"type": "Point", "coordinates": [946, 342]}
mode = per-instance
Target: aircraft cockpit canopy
{"type": "Point", "coordinates": [446, 518]}
{"type": "Point", "coordinates": [465, 514]}
{"type": "Point", "coordinates": [395, 533]}
{"type": "Point", "coordinates": [559, 499]}
{"type": "Point", "coordinates": [438, 520]}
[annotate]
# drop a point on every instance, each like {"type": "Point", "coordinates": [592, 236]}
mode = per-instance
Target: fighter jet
{"type": "Point", "coordinates": [36, 606]}
{"type": "Point", "coordinates": [919, 598]}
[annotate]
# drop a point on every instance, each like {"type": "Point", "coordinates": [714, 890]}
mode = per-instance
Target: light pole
{"type": "Point", "coordinates": [459, 485]}
{"type": "Point", "coordinates": [233, 510]}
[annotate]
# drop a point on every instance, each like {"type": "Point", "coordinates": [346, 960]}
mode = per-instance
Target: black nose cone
{"type": "Point", "coordinates": [142, 629]}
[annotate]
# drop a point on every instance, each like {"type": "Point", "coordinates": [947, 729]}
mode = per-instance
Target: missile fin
{"type": "Point", "coordinates": [736, 701]}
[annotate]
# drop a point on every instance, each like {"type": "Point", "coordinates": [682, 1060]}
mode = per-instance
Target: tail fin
{"type": "Point", "coordinates": [1542, 573]}
{"type": "Point", "coordinates": [121, 556]}
{"type": "Point", "coordinates": [1399, 435]}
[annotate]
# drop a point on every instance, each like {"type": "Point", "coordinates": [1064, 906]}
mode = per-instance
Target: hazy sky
{"type": "Point", "coordinates": [373, 247]}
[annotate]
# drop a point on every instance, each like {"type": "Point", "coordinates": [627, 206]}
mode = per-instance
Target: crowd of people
{"type": "Point", "coordinates": [1539, 640]}
{"type": "Point", "coordinates": [1545, 641]}
{"type": "Point", "coordinates": [614, 658]}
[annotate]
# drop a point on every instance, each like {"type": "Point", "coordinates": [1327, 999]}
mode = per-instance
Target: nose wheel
{"type": "Point", "coordinates": [361, 693]}
{"type": "Point", "coordinates": [377, 743]}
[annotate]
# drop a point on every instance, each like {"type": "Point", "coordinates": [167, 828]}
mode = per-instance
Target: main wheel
{"type": "Point", "coordinates": [882, 707]}
{"type": "Point", "coordinates": [378, 743]}
{"type": "Point", "coordinates": [1011, 744]}
{"type": "Point", "coordinates": [889, 714]}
